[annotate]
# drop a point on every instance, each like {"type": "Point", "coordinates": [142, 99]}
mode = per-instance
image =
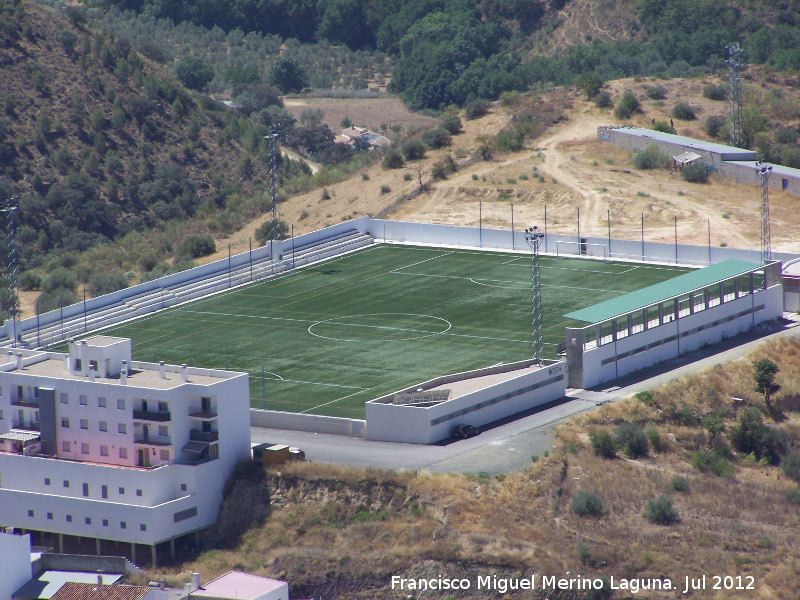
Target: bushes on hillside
{"type": "Point", "coordinates": [663, 126]}
{"type": "Point", "coordinates": [751, 436]}
{"type": "Point", "coordinates": [627, 105]}
{"type": "Point", "coordinates": [451, 124]}
{"type": "Point", "coordinates": [587, 504]}
{"type": "Point", "coordinates": [476, 109]}
{"type": "Point", "coordinates": [656, 92]}
{"type": "Point", "coordinates": [414, 150]}
{"type": "Point", "coordinates": [790, 465]}
{"type": "Point", "coordinates": [683, 111]}
{"type": "Point", "coordinates": [393, 160]}
{"type": "Point", "coordinates": [651, 157]}
{"type": "Point", "coordinates": [603, 100]}
{"type": "Point", "coordinates": [632, 440]}
{"type": "Point", "coordinates": [603, 443]}
{"type": "Point", "coordinates": [695, 172]}
{"type": "Point", "coordinates": [269, 231]}
{"type": "Point", "coordinates": [197, 245]}
{"type": "Point", "coordinates": [437, 138]}
{"type": "Point", "coordinates": [106, 283]}
{"type": "Point", "coordinates": [660, 511]}
{"type": "Point", "coordinates": [714, 125]}
{"type": "Point", "coordinates": [714, 92]}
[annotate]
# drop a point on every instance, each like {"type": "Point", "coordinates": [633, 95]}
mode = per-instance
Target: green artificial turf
{"type": "Point", "coordinates": [335, 335]}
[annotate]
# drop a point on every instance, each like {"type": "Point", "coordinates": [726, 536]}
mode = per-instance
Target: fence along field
{"type": "Point", "coordinates": [330, 337]}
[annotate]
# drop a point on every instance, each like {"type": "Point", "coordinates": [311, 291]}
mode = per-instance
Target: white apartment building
{"type": "Point", "coordinates": [93, 444]}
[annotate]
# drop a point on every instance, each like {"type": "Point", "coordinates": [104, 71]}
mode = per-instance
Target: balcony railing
{"type": "Point", "coordinates": [203, 436]}
{"type": "Point", "coordinates": [30, 426]}
{"type": "Point", "coordinates": [148, 415]}
{"type": "Point", "coordinates": [152, 440]}
{"type": "Point", "coordinates": [203, 414]}
{"type": "Point", "coordinates": [25, 403]}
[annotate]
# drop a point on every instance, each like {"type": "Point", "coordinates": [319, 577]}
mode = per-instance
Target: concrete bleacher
{"type": "Point", "coordinates": [172, 294]}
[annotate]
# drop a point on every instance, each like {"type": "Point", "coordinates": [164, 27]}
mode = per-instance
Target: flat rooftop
{"type": "Point", "coordinates": [102, 341]}
{"type": "Point", "coordinates": [473, 384]}
{"type": "Point", "coordinates": [236, 584]}
{"type": "Point", "coordinates": [729, 152]}
{"type": "Point", "coordinates": [142, 375]}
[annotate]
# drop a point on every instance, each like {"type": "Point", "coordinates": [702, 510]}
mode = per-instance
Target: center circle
{"type": "Point", "coordinates": [386, 327]}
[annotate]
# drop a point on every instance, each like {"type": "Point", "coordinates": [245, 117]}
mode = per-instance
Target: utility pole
{"type": "Point", "coordinates": [10, 207]}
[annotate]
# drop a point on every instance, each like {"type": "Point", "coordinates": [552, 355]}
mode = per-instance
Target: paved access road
{"type": "Point", "coordinates": [507, 445]}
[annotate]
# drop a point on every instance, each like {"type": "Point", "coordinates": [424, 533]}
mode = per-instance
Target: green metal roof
{"type": "Point", "coordinates": [662, 291]}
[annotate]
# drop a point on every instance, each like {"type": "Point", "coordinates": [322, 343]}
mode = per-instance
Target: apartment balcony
{"type": "Point", "coordinates": [152, 440]}
{"type": "Point", "coordinates": [203, 415]}
{"type": "Point", "coordinates": [25, 403]}
{"type": "Point", "coordinates": [203, 436]}
{"type": "Point", "coordinates": [147, 415]}
{"type": "Point", "coordinates": [26, 425]}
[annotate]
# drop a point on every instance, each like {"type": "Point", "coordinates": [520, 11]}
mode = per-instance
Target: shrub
{"type": "Point", "coordinates": [664, 127]}
{"type": "Point", "coordinates": [660, 511]}
{"type": "Point", "coordinates": [603, 100]}
{"type": "Point", "coordinates": [790, 465]}
{"type": "Point", "coordinates": [197, 245]}
{"type": "Point", "coordinates": [587, 504]}
{"type": "Point", "coordinates": [385, 189]}
{"type": "Point", "coordinates": [680, 484]}
{"type": "Point", "coordinates": [751, 435]}
{"type": "Point", "coordinates": [654, 438]}
{"type": "Point", "coordinates": [651, 157]}
{"type": "Point", "coordinates": [393, 160]}
{"type": "Point", "coordinates": [695, 172]}
{"type": "Point", "coordinates": [29, 281]}
{"type": "Point", "coordinates": [60, 279]}
{"type": "Point", "coordinates": [414, 150]}
{"type": "Point", "coordinates": [714, 125]}
{"type": "Point", "coordinates": [786, 135]}
{"type": "Point", "coordinates": [656, 92]}
{"type": "Point", "coordinates": [603, 443]}
{"type": "Point", "coordinates": [269, 229]}
{"type": "Point", "coordinates": [476, 109]}
{"type": "Point", "coordinates": [106, 283]}
{"type": "Point", "coordinates": [683, 112]}
{"type": "Point", "coordinates": [715, 92]}
{"type": "Point", "coordinates": [627, 105]}
{"type": "Point", "coordinates": [792, 495]}
{"type": "Point", "coordinates": [451, 124]}
{"type": "Point", "coordinates": [632, 440]}
{"type": "Point", "coordinates": [437, 138]}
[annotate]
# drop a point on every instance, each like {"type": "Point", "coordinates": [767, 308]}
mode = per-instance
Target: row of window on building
{"type": "Point", "coordinates": [87, 520]}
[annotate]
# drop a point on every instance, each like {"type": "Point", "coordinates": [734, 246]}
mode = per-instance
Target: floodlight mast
{"type": "Point", "coordinates": [9, 207]}
{"type": "Point", "coordinates": [763, 171]}
{"type": "Point", "coordinates": [534, 238]}
{"type": "Point", "coordinates": [735, 132]}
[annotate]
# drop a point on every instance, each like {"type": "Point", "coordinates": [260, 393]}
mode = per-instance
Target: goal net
{"type": "Point", "coordinates": [564, 248]}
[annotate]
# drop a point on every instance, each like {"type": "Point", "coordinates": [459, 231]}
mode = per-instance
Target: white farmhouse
{"type": "Point", "coordinates": [95, 445]}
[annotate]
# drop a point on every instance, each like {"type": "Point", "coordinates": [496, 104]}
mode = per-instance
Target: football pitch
{"type": "Point", "coordinates": [332, 336]}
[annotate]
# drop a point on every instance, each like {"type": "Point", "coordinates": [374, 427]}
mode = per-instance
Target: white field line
{"type": "Point", "coordinates": [477, 281]}
{"type": "Point", "coordinates": [337, 400]}
{"type": "Point", "coordinates": [420, 262]}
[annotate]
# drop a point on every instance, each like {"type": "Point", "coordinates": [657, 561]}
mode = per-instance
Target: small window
{"type": "Point", "coordinates": [1, 414]}
{"type": "Point", "coordinates": [162, 407]}
{"type": "Point", "coordinates": [69, 518]}
{"type": "Point", "coordinates": [122, 491]}
{"type": "Point", "coordinates": [49, 516]}
{"type": "Point", "coordinates": [122, 428]}
{"type": "Point", "coordinates": [103, 450]}
{"type": "Point", "coordinates": [86, 489]}
{"type": "Point", "coordinates": [65, 447]}
{"type": "Point", "coordinates": [83, 400]}
{"type": "Point", "coordinates": [47, 481]}
{"type": "Point", "coordinates": [103, 425]}
{"type": "Point", "coordinates": [105, 522]}
{"type": "Point", "coordinates": [93, 365]}
{"type": "Point", "coordinates": [66, 483]}
{"type": "Point", "coordinates": [84, 448]}
{"type": "Point", "coordinates": [64, 398]}
{"type": "Point", "coordinates": [88, 520]}
{"type": "Point", "coordinates": [101, 402]}
{"type": "Point", "coordinates": [121, 404]}
{"type": "Point", "coordinates": [104, 491]}
{"type": "Point", "coordinates": [65, 422]}
{"type": "Point", "coordinates": [138, 492]}
{"type": "Point", "coordinates": [84, 423]}
{"type": "Point", "coordinates": [164, 454]}
{"type": "Point", "coordinates": [30, 512]}
{"type": "Point", "coordinates": [143, 527]}
{"type": "Point", "coordinates": [123, 453]}
{"type": "Point", "coordinates": [123, 525]}
{"type": "Point", "coordinates": [78, 364]}
{"type": "Point", "coordinates": [163, 430]}
{"type": "Point", "coordinates": [36, 392]}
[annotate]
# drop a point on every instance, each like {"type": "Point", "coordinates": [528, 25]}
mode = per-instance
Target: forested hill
{"type": "Point", "coordinates": [453, 51]}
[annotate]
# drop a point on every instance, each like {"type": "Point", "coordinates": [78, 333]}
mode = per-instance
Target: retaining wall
{"type": "Point", "coordinates": [302, 422]}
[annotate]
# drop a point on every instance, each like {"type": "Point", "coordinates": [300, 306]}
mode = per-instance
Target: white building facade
{"type": "Point", "coordinates": [95, 445]}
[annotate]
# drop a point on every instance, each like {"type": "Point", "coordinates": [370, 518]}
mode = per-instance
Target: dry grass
{"type": "Point", "coordinates": [339, 530]}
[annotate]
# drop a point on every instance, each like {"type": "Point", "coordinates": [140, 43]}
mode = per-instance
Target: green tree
{"type": "Point", "coordinates": [194, 72]}
{"type": "Point", "coordinates": [589, 83]}
{"type": "Point", "coordinates": [627, 105]}
{"type": "Point", "coordinates": [288, 75]}
{"type": "Point", "coordinates": [270, 230]}
{"type": "Point", "coordinates": [764, 372]}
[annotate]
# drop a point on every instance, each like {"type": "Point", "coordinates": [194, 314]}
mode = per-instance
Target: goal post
{"type": "Point", "coordinates": [565, 248]}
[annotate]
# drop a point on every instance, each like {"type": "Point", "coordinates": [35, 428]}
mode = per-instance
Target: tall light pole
{"type": "Point", "coordinates": [9, 207]}
{"type": "Point", "coordinates": [763, 171]}
{"type": "Point", "coordinates": [272, 138]}
{"type": "Point", "coordinates": [534, 238]}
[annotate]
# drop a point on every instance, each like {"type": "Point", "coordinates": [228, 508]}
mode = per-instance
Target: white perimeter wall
{"type": "Point", "coordinates": [15, 565]}
{"type": "Point", "coordinates": [594, 372]}
{"type": "Point", "coordinates": [417, 425]}
{"type": "Point", "coordinates": [303, 422]}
